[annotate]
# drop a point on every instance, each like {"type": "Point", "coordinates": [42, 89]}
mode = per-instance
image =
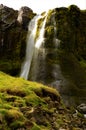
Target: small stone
{"type": "Point", "coordinates": [82, 108]}
{"type": "Point", "coordinates": [54, 118]}
{"type": "Point", "coordinates": [84, 115]}
{"type": "Point", "coordinates": [56, 112]}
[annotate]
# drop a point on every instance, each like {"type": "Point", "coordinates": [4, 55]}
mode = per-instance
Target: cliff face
{"type": "Point", "coordinates": [64, 66]}
{"type": "Point", "coordinates": [71, 29]}
{"type": "Point", "coordinates": [64, 63]}
{"type": "Point", "coordinates": [13, 31]}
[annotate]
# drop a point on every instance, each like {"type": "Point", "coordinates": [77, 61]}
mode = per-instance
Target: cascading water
{"type": "Point", "coordinates": [56, 68]}
{"type": "Point", "coordinates": [41, 36]}
{"type": "Point", "coordinates": [56, 41]}
{"type": "Point", "coordinates": [37, 69]}
{"type": "Point", "coordinates": [30, 47]}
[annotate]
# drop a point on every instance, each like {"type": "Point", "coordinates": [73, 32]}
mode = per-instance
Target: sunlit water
{"type": "Point", "coordinates": [41, 36]}
{"type": "Point", "coordinates": [30, 47]}
{"type": "Point", "coordinates": [38, 62]}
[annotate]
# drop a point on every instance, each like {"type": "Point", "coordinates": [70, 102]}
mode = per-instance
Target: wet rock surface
{"type": "Point", "coordinates": [82, 108]}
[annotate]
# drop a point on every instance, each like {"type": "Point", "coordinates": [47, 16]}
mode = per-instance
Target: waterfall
{"type": "Point", "coordinates": [37, 69]}
{"type": "Point", "coordinates": [56, 41]}
{"type": "Point", "coordinates": [56, 70]}
{"type": "Point", "coordinates": [41, 36]}
{"type": "Point", "coordinates": [30, 47]}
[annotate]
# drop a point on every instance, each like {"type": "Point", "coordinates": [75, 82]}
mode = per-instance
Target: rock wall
{"type": "Point", "coordinates": [65, 40]}
{"type": "Point", "coordinates": [13, 31]}
{"type": "Point", "coordinates": [63, 65]}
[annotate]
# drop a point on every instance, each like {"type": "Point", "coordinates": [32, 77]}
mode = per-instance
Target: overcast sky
{"type": "Point", "coordinates": [39, 6]}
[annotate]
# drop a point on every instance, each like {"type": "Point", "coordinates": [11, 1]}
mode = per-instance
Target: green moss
{"type": "Point", "coordinates": [35, 127]}
{"type": "Point", "coordinates": [20, 99]}
{"type": "Point", "coordinates": [17, 124]}
{"type": "Point", "coordinates": [34, 100]}
{"type": "Point", "coordinates": [29, 105]}
{"type": "Point", "coordinates": [49, 32]}
{"type": "Point", "coordinates": [39, 25]}
{"type": "Point", "coordinates": [83, 63]}
{"type": "Point", "coordinates": [74, 72]}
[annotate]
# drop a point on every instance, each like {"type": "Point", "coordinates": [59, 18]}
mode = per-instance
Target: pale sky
{"type": "Point", "coordinates": [39, 6]}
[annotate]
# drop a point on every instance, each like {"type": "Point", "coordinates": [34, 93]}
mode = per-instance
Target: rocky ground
{"type": "Point", "coordinates": [26, 105]}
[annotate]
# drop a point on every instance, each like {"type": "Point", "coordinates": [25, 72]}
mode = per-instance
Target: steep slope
{"type": "Point", "coordinates": [28, 105]}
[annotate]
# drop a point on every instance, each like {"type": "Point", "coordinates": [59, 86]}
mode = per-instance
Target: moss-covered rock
{"type": "Point", "coordinates": [71, 29]}
{"type": "Point", "coordinates": [29, 105]}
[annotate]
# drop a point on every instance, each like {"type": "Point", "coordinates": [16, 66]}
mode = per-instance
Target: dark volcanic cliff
{"type": "Point", "coordinates": [66, 62]}
{"type": "Point", "coordinates": [13, 31]}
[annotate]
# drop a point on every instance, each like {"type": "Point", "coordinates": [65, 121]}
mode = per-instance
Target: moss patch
{"type": "Point", "coordinates": [29, 105]}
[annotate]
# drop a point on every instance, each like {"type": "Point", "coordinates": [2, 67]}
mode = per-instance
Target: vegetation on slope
{"type": "Point", "coordinates": [28, 105]}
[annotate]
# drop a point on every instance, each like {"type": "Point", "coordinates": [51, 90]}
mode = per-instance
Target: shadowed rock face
{"type": "Point", "coordinates": [13, 37]}
{"type": "Point", "coordinates": [24, 16]}
{"type": "Point", "coordinates": [63, 65]}
{"type": "Point", "coordinates": [7, 17]}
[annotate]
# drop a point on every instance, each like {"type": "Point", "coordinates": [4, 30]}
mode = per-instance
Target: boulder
{"type": "Point", "coordinates": [82, 108]}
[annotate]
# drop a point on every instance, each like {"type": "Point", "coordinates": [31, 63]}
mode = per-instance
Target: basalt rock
{"type": "Point", "coordinates": [24, 16]}
{"type": "Point", "coordinates": [13, 37]}
{"type": "Point", "coordinates": [7, 17]}
{"type": "Point", "coordinates": [82, 108]}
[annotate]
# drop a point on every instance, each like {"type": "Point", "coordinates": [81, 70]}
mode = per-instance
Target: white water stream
{"type": "Point", "coordinates": [39, 54]}
{"type": "Point", "coordinates": [31, 45]}
{"type": "Point", "coordinates": [41, 36]}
